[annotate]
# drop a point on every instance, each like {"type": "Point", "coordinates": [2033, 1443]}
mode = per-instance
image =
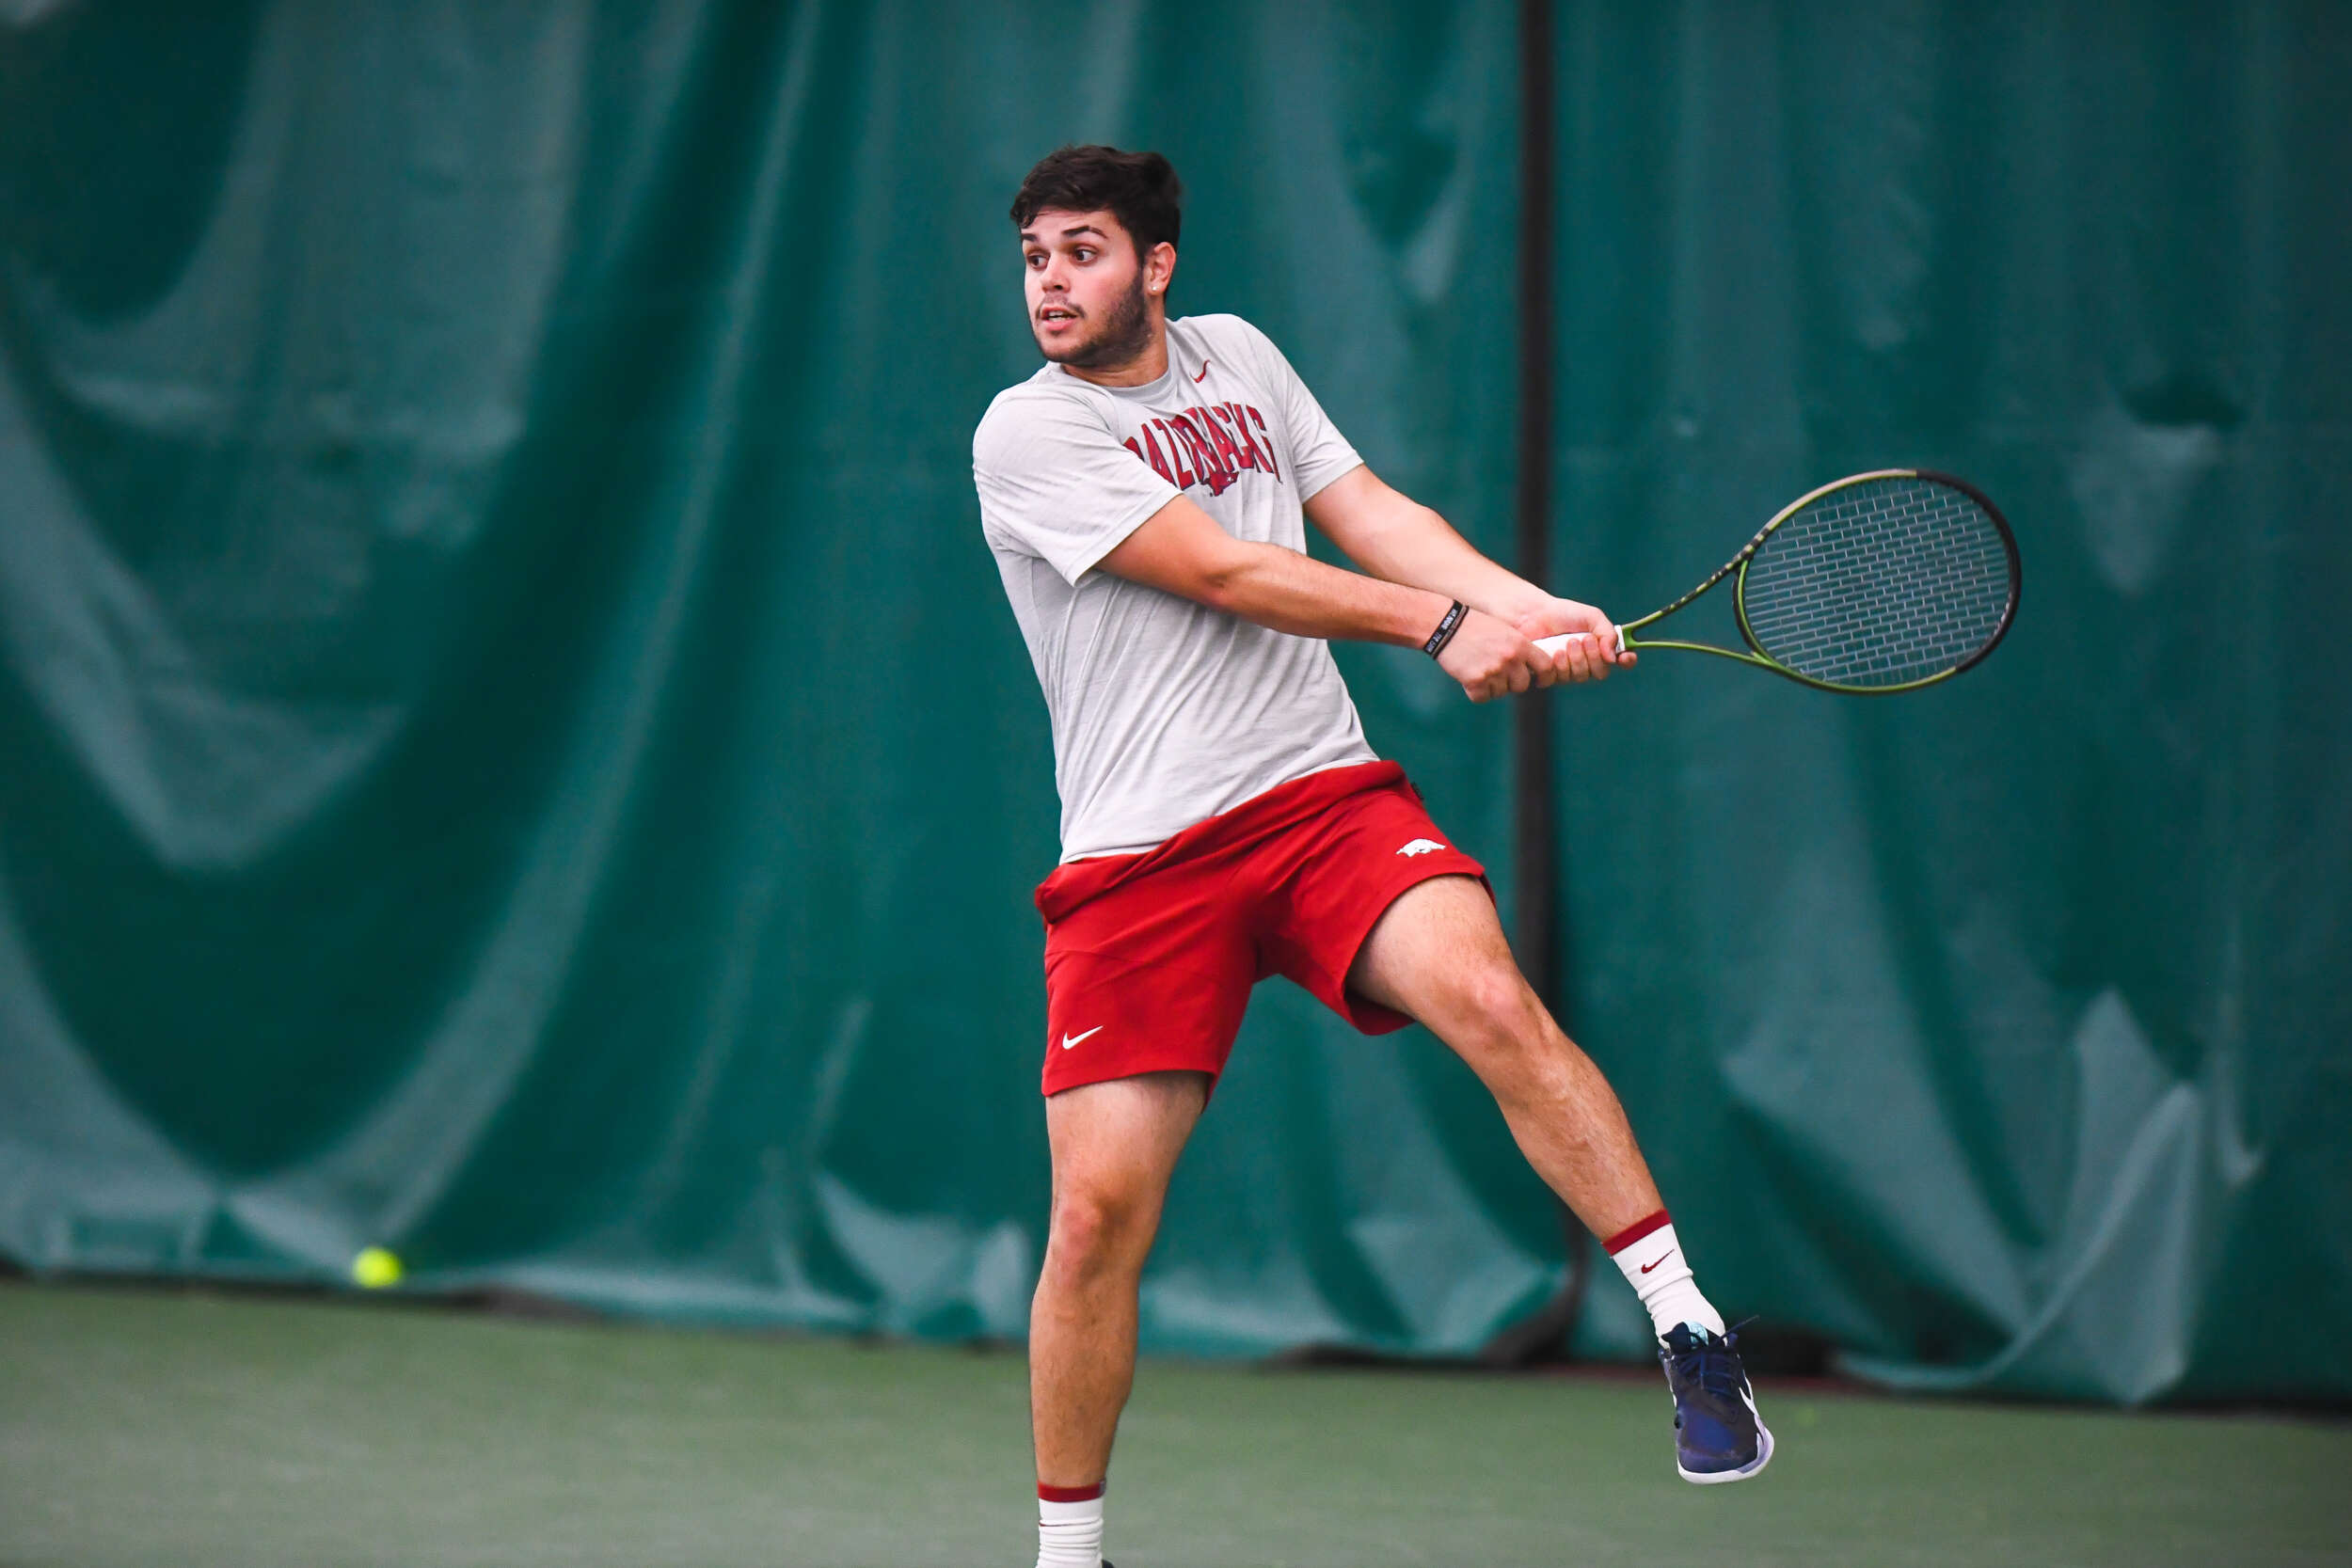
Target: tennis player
{"type": "Point", "coordinates": [1223, 819]}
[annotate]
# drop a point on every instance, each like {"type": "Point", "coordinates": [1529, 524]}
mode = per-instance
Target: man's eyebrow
{"type": "Point", "coordinates": [1080, 229]}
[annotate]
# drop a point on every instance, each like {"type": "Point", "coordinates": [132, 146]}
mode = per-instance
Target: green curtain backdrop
{"type": "Point", "coordinates": [2002, 1033]}
{"type": "Point", "coordinates": [515, 746]}
{"type": "Point", "coordinates": [512, 748]}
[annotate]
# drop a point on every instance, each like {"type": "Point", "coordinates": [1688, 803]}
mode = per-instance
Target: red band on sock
{"type": "Point", "coordinates": [1634, 1232]}
{"type": "Point", "coordinates": [1068, 1494]}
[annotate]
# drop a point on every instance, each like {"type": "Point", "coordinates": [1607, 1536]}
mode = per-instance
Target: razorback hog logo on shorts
{"type": "Point", "coordinates": [1209, 445]}
{"type": "Point", "coordinates": [1420, 846]}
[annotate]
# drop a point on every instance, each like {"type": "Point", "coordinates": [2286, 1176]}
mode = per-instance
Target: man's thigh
{"type": "Point", "coordinates": [1437, 952]}
{"type": "Point", "coordinates": [1117, 1141]}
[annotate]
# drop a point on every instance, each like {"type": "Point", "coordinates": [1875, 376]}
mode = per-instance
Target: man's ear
{"type": "Point", "coordinates": [1159, 268]}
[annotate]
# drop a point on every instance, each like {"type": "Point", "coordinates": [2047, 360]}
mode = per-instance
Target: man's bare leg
{"type": "Point", "coordinates": [1438, 955]}
{"type": "Point", "coordinates": [1114, 1146]}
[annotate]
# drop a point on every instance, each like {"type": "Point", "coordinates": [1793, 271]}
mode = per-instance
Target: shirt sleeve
{"type": "Point", "coordinates": [1054, 483]}
{"type": "Point", "coordinates": [1319, 453]}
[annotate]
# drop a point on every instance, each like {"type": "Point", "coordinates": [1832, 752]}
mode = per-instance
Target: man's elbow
{"type": "Point", "coordinates": [1224, 580]}
{"type": "Point", "coordinates": [1221, 586]}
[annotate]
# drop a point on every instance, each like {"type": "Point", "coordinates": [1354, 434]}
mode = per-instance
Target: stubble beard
{"type": "Point", "coordinates": [1126, 333]}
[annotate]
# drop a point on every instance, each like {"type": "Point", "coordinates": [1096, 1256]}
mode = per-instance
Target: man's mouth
{"type": "Point", "coordinates": [1057, 314]}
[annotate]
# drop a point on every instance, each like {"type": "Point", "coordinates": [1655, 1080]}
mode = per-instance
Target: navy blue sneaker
{"type": "Point", "coordinates": [1717, 1435]}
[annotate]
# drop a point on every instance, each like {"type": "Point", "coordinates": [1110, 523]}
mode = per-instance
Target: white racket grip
{"type": "Point", "coordinates": [1553, 644]}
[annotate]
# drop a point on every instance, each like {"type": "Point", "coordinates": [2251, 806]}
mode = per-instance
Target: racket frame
{"type": "Point", "coordinates": [1738, 564]}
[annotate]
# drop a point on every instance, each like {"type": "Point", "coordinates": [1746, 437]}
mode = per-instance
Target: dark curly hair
{"type": "Point", "coordinates": [1140, 189]}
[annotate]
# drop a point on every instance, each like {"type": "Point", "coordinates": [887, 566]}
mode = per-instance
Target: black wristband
{"type": "Point", "coordinates": [1446, 628]}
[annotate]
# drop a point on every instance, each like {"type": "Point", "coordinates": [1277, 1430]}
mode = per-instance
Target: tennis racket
{"type": "Point", "coordinates": [1876, 583]}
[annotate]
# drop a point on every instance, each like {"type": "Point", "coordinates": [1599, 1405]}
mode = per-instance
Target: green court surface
{"type": "Point", "coordinates": [188, 1429]}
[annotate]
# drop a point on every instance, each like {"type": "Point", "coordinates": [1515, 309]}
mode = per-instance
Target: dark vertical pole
{"type": "Point", "coordinates": [1543, 1334]}
{"type": "Point", "coordinates": [1536, 904]}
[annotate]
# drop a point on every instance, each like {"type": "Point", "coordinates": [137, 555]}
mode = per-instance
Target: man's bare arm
{"type": "Point", "coordinates": [1182, 550]}
{"type": "Point", "coordinates": [1398, 540]}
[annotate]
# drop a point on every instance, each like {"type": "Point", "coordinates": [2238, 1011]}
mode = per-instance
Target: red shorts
{"type": "Point", "coordinates": [1149, 957]}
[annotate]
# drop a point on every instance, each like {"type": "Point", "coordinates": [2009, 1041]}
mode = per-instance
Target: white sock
{"type": "Point", "coordinates": [1068, 1529]}
{"type": "Point", "coordinates": [1651, 1260]}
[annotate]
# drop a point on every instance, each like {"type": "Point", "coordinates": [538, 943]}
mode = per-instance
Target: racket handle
{"type": "Point", "coordinates": [1553, 644]}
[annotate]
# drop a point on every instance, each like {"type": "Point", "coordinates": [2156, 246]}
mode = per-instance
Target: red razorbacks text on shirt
{"type": "Point", "coordinates": [1206, 444]}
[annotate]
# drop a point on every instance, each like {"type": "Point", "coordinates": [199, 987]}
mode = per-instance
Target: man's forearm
{"type": "Point", "coordinates": [1296, 594]}
{"type": "Point", "coordinates": [1413, 546]}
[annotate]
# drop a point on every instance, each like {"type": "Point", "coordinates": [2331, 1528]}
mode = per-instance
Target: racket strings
{"type": "Point", "coordinates": [1880, 584]}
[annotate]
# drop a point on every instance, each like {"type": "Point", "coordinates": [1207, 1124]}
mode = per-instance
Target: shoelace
{"type": "Point", "coordinates": [1711, 1365]}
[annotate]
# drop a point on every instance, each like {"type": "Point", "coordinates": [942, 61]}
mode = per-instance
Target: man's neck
{"type": "Point", "coordinates": [1144, 368]}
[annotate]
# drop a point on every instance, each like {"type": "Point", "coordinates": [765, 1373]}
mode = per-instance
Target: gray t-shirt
{"type": "Point", "coordinates": [1165, 711]}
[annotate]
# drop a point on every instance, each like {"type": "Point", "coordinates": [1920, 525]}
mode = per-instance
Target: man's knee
{"type": "Point", "coordinates": [1499, 1026]}
{"type": "Point", "coordinates": [1098, 1231]}
{"type": "Point", "coordinates": [1492, 1008]}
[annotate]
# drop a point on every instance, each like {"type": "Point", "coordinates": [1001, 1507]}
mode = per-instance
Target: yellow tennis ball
{"type": "Point", "coordinates": [375, 1269]}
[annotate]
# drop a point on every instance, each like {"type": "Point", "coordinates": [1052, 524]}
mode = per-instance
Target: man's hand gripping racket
{"type": "Point", "coordinates": [1876, 583]}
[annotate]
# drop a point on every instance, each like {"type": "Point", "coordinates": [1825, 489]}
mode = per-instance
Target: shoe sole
{"type": "Point", "coordinates": [1718, 1477]}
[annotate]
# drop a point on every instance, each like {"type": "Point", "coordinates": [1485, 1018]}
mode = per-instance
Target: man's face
{"type": "Point", "coordinates": [1085, 290]}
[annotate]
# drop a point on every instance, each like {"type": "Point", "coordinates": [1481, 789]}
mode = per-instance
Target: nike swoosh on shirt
{"type": "Point", "coordinates": [1068, 1041]}
{"type": "Point", "coordinates": [1204, 369]}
